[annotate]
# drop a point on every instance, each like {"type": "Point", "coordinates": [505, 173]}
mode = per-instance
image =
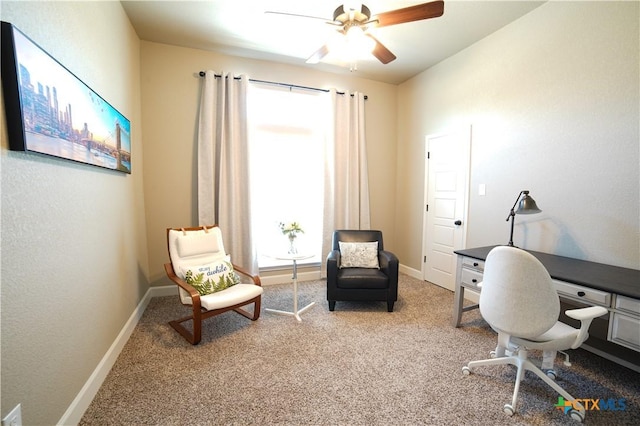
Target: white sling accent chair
{"type": "Point", "coordinates": [196, 248]}
{"type": "Point", "coordinates": [519, 301]}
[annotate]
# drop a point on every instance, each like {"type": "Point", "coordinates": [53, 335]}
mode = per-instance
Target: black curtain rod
{"type": "Point", "coordinates": [291, 86]}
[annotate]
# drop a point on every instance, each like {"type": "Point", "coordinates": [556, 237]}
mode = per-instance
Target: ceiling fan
{"type": "Point", "coordinates": [354, 20]}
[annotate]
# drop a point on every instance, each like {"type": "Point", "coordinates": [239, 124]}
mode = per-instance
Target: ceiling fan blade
{"type": "Point", "coordinates": [295, 15]}
{"type": "Point", "coordinates": [418, 12]}
{"type": "Point", "coordinates": [383, 54]}
{"type": "Point", "coordinates": [318, 55]}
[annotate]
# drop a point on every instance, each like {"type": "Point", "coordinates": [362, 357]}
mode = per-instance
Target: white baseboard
{"type": "Point", "coordinates": [414, 273]}
{"type": "Point", "coordinates": [471, 295]}
{"type": "Point", "coordinates": [79, 405]}
{"type": "Point", "coordinates": [165, 290]}
{"type": "Point", "coordinates": [286, 278]}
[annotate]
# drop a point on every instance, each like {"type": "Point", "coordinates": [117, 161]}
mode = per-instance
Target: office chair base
{"type": "Point", "coordinates": [509, 410]}
{"type": "Point", "coordinates": [577, 415]}
{"type": "Point", "coordinates": [522, 364]}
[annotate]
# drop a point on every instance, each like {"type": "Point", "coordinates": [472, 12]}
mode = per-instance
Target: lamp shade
{"type": "Point", "coordinates": [527, 205]}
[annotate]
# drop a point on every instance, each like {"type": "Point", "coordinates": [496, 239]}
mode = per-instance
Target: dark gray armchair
{"type": "Point", "coordinates": [361, 284]}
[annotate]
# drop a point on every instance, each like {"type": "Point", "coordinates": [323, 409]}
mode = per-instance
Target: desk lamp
{"type": "Point", "coordinates": [527, 206]}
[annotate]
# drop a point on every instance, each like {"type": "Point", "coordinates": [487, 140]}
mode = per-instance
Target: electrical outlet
{"type": "Point", "coordinates": [14, 418]}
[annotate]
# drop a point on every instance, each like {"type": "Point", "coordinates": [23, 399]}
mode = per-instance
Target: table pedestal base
{"type": "Point", "coordinates": [296, 312]}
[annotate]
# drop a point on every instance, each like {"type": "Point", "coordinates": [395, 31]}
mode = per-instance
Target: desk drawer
{"type": "Point", "coordinates": [625, 331]}
{"type": "Point", "coordinates": [584, 294]}
{"type": "Point", "coordinates": [628, 304]}
{"type": "Point", "coordinates": [471, 263]}
{"type": "Point", "coordinates": [471, 278]}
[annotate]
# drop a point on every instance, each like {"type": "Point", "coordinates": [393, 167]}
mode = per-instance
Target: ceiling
{"type": "Point", "coordinates": [242, 28]}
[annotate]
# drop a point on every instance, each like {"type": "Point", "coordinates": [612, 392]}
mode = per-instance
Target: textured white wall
{"type": "Point", "coordinates": [553, 100]}
{"type": "Point", "coordinates": [74, 261]}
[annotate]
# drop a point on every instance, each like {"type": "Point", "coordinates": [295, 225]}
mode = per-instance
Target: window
{"type": "Point", "coordinates": [286, 138]}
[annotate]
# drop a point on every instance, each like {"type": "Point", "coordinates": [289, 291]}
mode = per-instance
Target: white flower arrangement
{"type": "Point", "coordinates": [291, 230]}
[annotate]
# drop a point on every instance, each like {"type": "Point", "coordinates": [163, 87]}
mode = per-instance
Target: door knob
{"type": "Point", "coordinates": [457, 222]}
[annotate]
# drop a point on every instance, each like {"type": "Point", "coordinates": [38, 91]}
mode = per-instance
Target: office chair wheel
{"type": "Point", "coordinates": [466, 370]}
{"type": "Point", "coordinates": [508, 410]}
{"type": "Point", "coordinates": [577, 415]}
{"type": "Point", "coordinates": [492, 354]}
{"type": "Point", "coordinates": [551, 374]}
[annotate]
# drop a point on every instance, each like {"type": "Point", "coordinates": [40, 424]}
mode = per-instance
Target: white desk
{"type": "Point", "coordinates": [296, 312]}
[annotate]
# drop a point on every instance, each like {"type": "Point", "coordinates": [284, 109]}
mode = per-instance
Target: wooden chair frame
{"type": "Point", "coordinates": [200, 313]}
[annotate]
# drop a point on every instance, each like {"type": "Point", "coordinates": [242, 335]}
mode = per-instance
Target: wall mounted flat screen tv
{"type": "Point", "coordinates": [51, 111]}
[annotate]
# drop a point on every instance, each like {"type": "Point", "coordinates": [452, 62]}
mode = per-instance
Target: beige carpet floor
{"type": "Point", "coordinates": [358, 365]}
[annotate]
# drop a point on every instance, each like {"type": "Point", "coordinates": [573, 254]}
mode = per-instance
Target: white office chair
{"type": "Point", "coordinates": [519, 301]}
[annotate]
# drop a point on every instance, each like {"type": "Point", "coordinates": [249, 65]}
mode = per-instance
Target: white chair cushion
{"type": "Point", "coordinates": [192, 250]}
{"type": "Point", "coordinates": [196, 244]}
{"type": "Point", "coordinates": [207, 247]}
{"type": "Point", "coordinates": [237, 294]}
{"type": "Point", "coordinates": [559, 337]}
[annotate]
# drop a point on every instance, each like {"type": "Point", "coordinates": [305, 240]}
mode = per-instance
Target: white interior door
{"type": "Point", "coordinates": [445, 212]}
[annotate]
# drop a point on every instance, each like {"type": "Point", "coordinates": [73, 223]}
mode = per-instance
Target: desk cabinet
{"type": "Point", "coordinates": [468, 276]}
{"type": "Point", "coordinates": [472, 270]}
{"type": "Point", "coordinates": [625, 324]}
{"type": "Point", "coordinates": [615, 336]}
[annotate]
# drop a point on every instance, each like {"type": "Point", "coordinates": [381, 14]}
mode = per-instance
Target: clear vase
{"type": "Point", "coordinates": [292, 244]}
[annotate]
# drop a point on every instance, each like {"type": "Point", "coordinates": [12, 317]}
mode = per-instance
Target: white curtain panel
{"type": "Point", "coordinates": [223, 165]}
{"type": "Point", "coordinates": [346, 188]}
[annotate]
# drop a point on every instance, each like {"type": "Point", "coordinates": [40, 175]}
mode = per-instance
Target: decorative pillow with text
{"type": "Point", "coordinates": [212, 277]}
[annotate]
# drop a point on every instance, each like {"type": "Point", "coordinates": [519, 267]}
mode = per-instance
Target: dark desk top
{"type": "Point", "coordinates": [613, 279]}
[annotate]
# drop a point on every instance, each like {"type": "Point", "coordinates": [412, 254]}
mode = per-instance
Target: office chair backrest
{"type": "Point", "coordinates": [518, 297]}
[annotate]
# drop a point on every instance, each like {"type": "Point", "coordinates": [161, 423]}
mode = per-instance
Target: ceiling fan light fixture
{"type": "Point", "coordinates": [354, 39]}
{"type": "Point", "coordinates": [357, 42]}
